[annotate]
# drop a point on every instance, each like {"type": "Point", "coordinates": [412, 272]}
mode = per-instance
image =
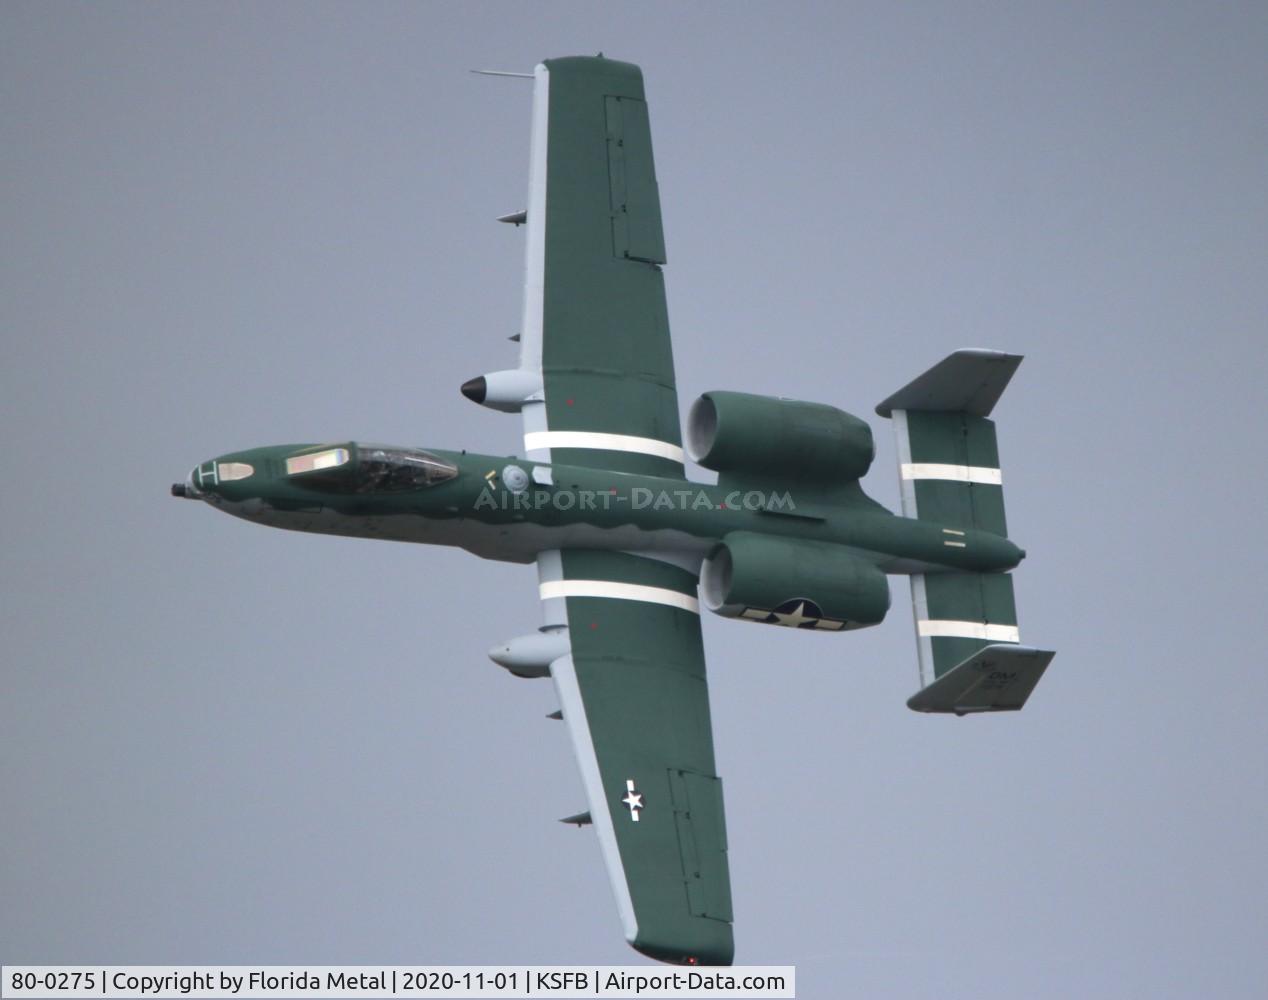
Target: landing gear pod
{"type": "Point", "coordinates": [531, 655]}
{"type": "Point", "coordinates": [507, 391]}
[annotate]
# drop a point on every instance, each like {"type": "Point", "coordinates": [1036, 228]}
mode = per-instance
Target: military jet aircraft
{"type": "Point", "coordinates": [627, 548]}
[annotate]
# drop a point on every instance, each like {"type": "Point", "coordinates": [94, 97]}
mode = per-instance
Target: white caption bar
{"type": "Point", "coordinates": [957, 473]}
{"type": "Point", "coordinates": [510, 982]}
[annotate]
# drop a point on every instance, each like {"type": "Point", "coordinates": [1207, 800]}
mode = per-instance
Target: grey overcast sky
{"type": "Point", "coordinates": [236, 224]}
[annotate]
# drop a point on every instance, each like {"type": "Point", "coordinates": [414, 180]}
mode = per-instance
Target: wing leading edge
{"type": "Point", "coordinates": [636, 703]}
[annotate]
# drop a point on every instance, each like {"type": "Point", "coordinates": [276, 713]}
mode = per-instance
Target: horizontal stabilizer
{"type": "Point", "coordinates": [997, 678]}
{"type": "Point", "coordinates": [581, 819]}
{"type": "Point", "coordinates": [515, 218]}
{"type": "Point", "coordinates": [967, 381]}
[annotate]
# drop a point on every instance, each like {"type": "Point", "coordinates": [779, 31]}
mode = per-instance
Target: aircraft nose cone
{"type": "Point", "coordinates": [198, 484]}
{"type": "Point", "coordinates": [475, 389]}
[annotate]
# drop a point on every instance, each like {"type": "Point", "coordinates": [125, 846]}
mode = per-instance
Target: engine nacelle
{"type": "Point", "coordinates": [787, 581]}
{"type": "Point", "coordinates": [762, 435]}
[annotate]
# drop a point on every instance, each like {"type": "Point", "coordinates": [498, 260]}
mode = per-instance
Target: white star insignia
{"type": "Point", "coordinates": [632, 799]}
{"type": "Point", "coordinates": [794, 618]}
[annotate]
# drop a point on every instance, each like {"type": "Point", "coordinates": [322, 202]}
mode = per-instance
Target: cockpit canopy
{"type": "Point", "coordinates": [368, 468]}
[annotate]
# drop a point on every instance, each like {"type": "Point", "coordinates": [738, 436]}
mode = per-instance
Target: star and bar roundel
{"type": "Point", "coordinates": [633, 799]}
{"type": "Point", "coordinates": [797, 613]}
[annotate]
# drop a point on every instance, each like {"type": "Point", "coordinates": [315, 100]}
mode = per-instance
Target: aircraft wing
{"type": "Point", "coordinates": [634, 697]}
{"type": "Point", "coordinates": [595, 324]}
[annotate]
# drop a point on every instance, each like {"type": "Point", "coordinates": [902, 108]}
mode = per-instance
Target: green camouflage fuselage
{"type": "Point", "coordinates": [576, 507]}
